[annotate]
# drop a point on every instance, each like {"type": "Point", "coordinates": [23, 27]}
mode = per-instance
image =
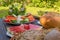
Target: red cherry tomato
{"type": "Point", "coordinates": [31, 18]}
{"type": "Point", "coordinates": [26, 27]}
{"type": "Point", "coordinates": [9, 17]}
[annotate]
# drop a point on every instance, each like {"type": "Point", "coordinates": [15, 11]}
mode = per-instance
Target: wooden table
{"type": "Point", "coordinates": [3, 35]}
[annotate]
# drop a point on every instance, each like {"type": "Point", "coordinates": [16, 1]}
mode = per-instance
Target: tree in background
{"type": "Point", "coordinates": [7, 2]}
{"type": "Point", "coordinates": [50, 3]}
{"type": "Point", "coordinates": [35, 3]}
{"type": "Point", "coordinates": [44, 3]}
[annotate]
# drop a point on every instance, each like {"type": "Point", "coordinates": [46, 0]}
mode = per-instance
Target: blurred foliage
{"type": "Point", "coordinates": [41, 13]}
{"type": "Point", "coordinates": [13, 10]}
{"type": "Point", "coordinates": [35, 3]}
{"type": "Point", "coordinates": [33, 6]}
{"type": "Point", "coordinates": [9, 2]}
{"type": "Point", "coordinates": [44, 3]}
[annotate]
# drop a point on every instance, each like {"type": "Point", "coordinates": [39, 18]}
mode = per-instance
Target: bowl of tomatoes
{"type": "Point", "coordinates": [11, 20]}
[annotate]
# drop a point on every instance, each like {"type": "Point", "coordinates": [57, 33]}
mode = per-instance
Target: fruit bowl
{"type": "Point", "coordinates": [11, 20]}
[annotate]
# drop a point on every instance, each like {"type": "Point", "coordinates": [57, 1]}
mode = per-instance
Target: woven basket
{"type": "Point", "coordinates": [29, 35]}
{"type": "Point", "coordinates": [15, 36]}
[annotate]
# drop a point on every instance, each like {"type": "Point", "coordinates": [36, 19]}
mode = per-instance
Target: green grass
{"type": "Point", "coordinates": [3, 11]}
{"type": "Point", "coordinates": [33, 10]}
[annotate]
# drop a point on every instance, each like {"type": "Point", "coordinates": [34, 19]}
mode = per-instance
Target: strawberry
{"type": "Point", "coordinates": [17, 29]}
